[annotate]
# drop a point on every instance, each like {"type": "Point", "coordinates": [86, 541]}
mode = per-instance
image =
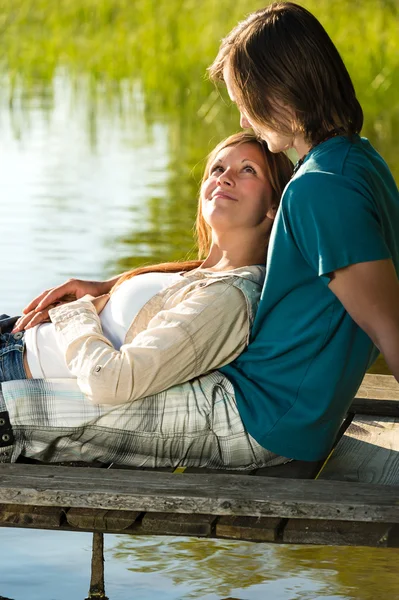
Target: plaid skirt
{"type": "Point", "coordinates": [195, 424]}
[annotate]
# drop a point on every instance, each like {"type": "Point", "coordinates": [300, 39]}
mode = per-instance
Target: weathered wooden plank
{"type": "Point", "coordinates": [378, 395]}
{"type": "Point", "coordinates": [207, 494]}
{"type": "Point", "coordinates": [70, 463]}
{"type": "Point", "coordinates": [114, 466]}
{"type": "Point", "coordinates": [339, 533]}
{"type": "Point", "coordinates": [367, 453]}
{"type": "Point", "coordinates": [261, 529]}
{"type": "Point", "coordinates": [301, 469]}
{"type": "Point", "coordinates": [296, 469]}
{"type": "Point", "coordinates": [379, 387]}
{"type": "Point", "coordinates": [101, 520]}
{"type": "Point", "coordinates": [378, 408]}
{"type": "Point", "coordinates": [177, 524]}
{"type": "Point", "coordinates": [31, 516]}
{"type": "Point", "coordinates": [205, 470]}
{"type": "Point", "coordinates": [266, 529]}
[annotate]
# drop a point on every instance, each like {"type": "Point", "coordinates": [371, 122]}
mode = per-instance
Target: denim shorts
{"type": "Point", "coordinates": [12, 346]}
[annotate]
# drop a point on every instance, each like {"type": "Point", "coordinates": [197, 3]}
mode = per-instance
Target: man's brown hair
{"type": "Point", "coordinates": [281, 56]}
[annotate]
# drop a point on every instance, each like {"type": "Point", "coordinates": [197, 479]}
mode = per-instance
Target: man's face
{"type": "Point", "coordinates": [276, 141]}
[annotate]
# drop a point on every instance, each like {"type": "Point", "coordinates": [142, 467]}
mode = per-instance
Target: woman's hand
{"type": "Point", "coordinates": [37, 311]}
{"type": "Point", "coordinates": [99, 302]}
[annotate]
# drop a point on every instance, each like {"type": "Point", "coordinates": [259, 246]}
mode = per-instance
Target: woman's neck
{"type": "Point", "coordinates": [239, 253]}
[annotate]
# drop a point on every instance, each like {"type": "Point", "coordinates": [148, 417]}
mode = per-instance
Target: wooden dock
{"type": "Point", "coordinates": [351, 499]}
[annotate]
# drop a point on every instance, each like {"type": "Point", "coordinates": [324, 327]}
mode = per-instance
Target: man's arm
{"type": "Point", "coordinates": [369, 292]}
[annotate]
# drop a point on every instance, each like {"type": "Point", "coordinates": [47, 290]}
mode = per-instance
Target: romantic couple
{"type": "Point", "coordinates": [250, 356]}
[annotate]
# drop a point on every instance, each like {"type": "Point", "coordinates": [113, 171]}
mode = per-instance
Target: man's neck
{"type": "Point", "coordinates": [301, 146]}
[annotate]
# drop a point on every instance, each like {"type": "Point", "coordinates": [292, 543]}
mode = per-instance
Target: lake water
{"type": "Point", "coordinates": [105, 118]}
{"type": "Point", "coordinates": [46, 565]}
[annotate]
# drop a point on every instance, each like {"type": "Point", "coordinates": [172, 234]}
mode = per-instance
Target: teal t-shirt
{"type": "Point", "coordinates": [307, 357]}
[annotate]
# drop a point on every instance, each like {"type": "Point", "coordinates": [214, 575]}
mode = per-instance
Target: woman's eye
{"type": "Point", "coordinates": [217, 169]}
{"type": "Point", "coordinates": [249, 169]}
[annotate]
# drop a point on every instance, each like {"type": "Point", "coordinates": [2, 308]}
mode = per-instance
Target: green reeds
{"type": "Point", "coordinates": [167, 45]}
{"type": "Point", "coordinates": [121, 53]}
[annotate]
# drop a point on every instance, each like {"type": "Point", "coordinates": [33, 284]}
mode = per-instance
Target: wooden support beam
{"type": "Point", "coordinates": [101, 520]}
{"type": "Point", "coordinates": [177, 524]}
{"type": "Point", "coordinates": [41, 517]}
{"type": "Point", "coordinates": [340, 533]}
{"type": "Point", "coordinates": [97, 585]}
{"type": "Point", "coordinates": [262, 529]}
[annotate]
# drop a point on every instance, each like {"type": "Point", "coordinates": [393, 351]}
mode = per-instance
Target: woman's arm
{"type": "Point", "coordinates": [205, 331]}
{"type": "Point", "coordinates": [369, 291]}
{"type": "Point", "coordinates": [37, 311]}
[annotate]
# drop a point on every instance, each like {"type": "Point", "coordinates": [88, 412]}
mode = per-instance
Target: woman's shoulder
{"type": "Point", "coordinates": [219, 283]}
{"type": "Point", "coordinates": [255, 273]}
{"type": "Point", "coordinates": [226, 286]}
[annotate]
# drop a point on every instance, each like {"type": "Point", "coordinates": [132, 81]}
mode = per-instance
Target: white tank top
{"type": "Point", "coordinates": [45, 357]}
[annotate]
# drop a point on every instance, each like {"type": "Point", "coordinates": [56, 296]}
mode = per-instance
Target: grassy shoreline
{"type": "Point", "coordinates": [168, 44]}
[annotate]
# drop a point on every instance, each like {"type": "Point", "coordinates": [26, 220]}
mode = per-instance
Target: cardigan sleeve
{"type": "Point", "coordinates": [204, 332]}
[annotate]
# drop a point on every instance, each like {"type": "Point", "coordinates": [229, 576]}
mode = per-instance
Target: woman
{"type": "Point", "coordinates": [331, 293]}
{"type": "Point", "coordinates": [161, 331]}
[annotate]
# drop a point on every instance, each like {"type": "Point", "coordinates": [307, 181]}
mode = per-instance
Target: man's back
{"type": "Point", "coordinates": [307, 356]}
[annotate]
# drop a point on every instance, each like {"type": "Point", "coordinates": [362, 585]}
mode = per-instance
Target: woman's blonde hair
{"type": "Point", "coordinates": [279, 172]}
{"type": "Point", "coordinates": [281, 56]}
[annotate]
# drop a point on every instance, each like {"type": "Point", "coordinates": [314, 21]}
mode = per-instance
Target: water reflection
{"type": "Point", "coordinates": [217, 569]}
{"type": "Point", "coordinates": [56, 566]}
{"type": "Point", "coordinates": [38, 565]}
{"type": "Point", "coordinates": [66, 205]}
{"type": "Point", "coordinates": [106, 114]}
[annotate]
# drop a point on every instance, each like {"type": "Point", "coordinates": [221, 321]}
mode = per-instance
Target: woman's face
{"type": "Point", "coordinates": [276, 142]}
{"type": "Point", "coordinates": [237, 193]}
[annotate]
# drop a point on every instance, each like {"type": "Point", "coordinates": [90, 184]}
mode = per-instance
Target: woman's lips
{"type": "Point", "coordinates": [223, 195]}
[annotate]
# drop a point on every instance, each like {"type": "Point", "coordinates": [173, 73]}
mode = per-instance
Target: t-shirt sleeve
{"type": "Point", "coordinates": [333, 221]}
